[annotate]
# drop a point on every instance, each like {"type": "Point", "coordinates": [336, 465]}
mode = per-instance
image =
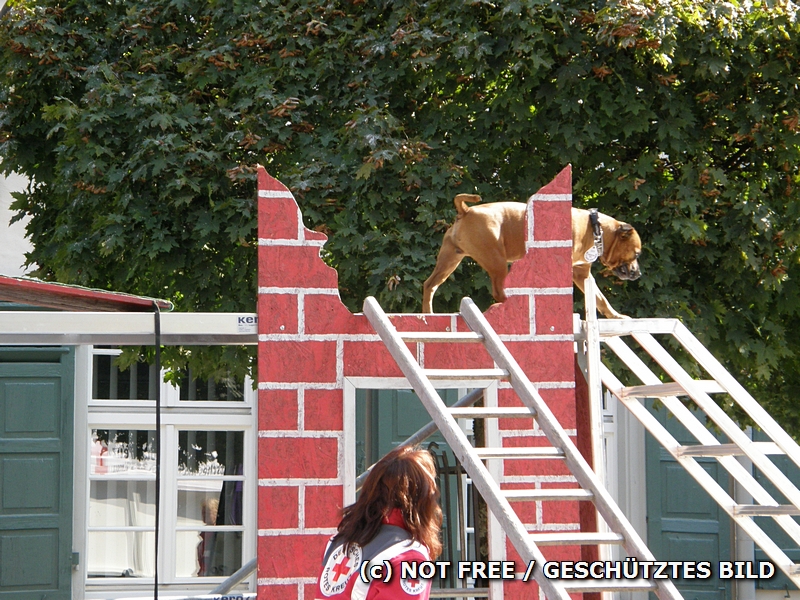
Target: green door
{"type": "Point", "coordinates": [683, 522]}
{"type": "Point", "coordinates": [36, 422]}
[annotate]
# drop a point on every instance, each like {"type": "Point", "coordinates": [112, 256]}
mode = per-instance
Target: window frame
{"type": "Point", "coordinates": [170, 395]}
{"type": "Point", "coordinates": [176, 416]}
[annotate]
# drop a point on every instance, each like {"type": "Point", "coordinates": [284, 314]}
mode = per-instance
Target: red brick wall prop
{"type": "Point", "coordinates": [311, 346]}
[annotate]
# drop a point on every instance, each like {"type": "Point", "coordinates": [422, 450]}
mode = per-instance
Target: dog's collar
{"type": "Point", "coordinates": [596, 251]}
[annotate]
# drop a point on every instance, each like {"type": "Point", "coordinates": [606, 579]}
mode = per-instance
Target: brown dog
{"type": "Point", "coordinates": [493, 235]}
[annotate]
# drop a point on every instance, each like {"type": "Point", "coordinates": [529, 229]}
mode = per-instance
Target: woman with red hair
{"type": "Point", "coordinates": [396, 519]}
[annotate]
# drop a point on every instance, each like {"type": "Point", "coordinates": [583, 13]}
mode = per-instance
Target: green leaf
{"type": "Point", "coordinates": [365, 170]}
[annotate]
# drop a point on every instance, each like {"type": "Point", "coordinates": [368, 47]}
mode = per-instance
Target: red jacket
{"type": "Point", "coordinates": [340, 578]}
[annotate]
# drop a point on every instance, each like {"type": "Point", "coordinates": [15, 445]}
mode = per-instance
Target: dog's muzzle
{"type": "Point", "coordinates": [629, 272]}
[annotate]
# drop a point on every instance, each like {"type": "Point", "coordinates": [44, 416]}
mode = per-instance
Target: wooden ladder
{"type": "Point", "coordinates": [499, 501]}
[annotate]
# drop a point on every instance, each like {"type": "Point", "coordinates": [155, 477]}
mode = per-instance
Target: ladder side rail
{"type": "Point", "coordinates": [720, 417]}
{"type": "Point", "coordinates": [580, 469]}
{"type": "Point", "coordinates": [737, 391]}
{"type": "Point", "coordinates": [697, 429]}
{"type": "Point", "coordinates": [496, 537]}
{"type": "Point", "coordinates": [703, 478]}
{"type": "Point", "coordinates": [461, 447]}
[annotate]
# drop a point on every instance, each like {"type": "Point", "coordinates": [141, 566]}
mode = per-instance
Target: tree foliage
{"type": "Point", "coordinates": [140, 124]}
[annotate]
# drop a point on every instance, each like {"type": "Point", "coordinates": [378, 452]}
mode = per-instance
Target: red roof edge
{"type": "Point", "coordinates": [74, 298]}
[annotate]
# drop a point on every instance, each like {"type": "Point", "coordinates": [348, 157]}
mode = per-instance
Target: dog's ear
{"type": "Point", "coordinates": [624, 231]}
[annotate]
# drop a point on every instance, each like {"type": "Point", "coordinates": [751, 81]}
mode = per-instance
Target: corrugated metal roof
{"type": "Point", "coordinates": [34, 292]}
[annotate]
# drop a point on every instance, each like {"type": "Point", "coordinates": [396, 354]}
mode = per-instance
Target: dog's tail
{"type": "Point", "coordinates": [461, 200]}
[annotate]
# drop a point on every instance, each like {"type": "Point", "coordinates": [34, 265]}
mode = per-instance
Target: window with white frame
{"type": "Point", "coordinates": [208, 477]}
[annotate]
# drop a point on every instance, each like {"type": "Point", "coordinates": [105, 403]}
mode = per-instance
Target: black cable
{"type": "Point", "coordinates": [157, 315]}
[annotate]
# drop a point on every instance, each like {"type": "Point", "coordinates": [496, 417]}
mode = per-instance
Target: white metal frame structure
{"type": "Point", "coordinates": [84, 329]}
{"type": "Point", "coordinates": [498, 500]}
{"type": "Point", "coordinates": [126, 328]}
{"type": "Point", "coordinates": [610, 332]}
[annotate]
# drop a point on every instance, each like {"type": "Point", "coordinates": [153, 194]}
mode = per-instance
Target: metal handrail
{"type": "Point", "coordinates": [227, 585]}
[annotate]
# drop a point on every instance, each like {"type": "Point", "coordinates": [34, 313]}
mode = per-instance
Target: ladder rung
{"type": "Point", "coordinates": [531, 452]}
{"type": "Point", "coordinates": [757, 510]}
{"type": "Point", "coordinates": [465, 374]}
{"type": "Point", "coordinates": [709, 386]}
{"type": "Point", "coordinates": [575, 538]}
{"type": "Point", "coordinates": [549, 494]}
{"type": "Point", "coordinates": [478, 412]}
{"type": "Point", "coordinates": [440, 336]}
{"type": "Point", "coordinates": [608, 585]}
{"type": "Point", "coordinates": [727, 449]}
